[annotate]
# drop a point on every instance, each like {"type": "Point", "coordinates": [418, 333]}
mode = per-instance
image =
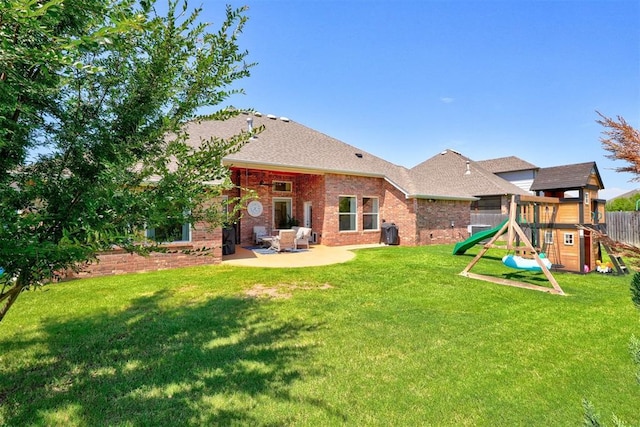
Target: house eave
{"type": "Point", "coordinates": [444, 198]}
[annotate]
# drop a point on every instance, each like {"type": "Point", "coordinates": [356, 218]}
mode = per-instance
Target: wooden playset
{"type": "Point", "coordinates": [548, 233]}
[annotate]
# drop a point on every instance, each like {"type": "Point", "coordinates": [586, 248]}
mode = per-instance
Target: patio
{"type": "Point", "coordinates": [316, 255]}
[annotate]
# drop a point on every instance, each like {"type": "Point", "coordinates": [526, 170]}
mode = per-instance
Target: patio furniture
{"type": "Point", "coordinates": [303, 236]}
{"type": "Point", "coordinates": [285, 240]}
{"type": "Point", "coordinates": [259, 231]}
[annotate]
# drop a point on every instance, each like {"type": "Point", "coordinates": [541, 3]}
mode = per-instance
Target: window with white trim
{"type": "Point", "coordinates": [347, 210]}
{"type": "Point", "coordinates": [548, 237]}
{"type": "Point", "coordinates": [370, 213]}
{"type": "Point", "coordinates": [586, 198]}
{"type": "Point", "coordinates": [568, 239]}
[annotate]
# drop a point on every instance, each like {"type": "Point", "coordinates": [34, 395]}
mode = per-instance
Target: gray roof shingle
{"type": "Point", "coordinates": [450, 171]}
{"type": "Point", "coordinates": [287, 145]}
{"type": "Point", "coordinates": [506, 164]}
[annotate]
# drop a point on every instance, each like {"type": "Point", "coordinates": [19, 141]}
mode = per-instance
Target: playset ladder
{"type": "Point", "coordinates": [616, 260]}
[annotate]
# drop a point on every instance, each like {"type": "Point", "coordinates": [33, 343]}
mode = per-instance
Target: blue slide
{"type": "Point", "coordinates": [461, 247]}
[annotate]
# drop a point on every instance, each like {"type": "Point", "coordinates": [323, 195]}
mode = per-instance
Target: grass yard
{"type": "Point", "coordinates": [394, 337]}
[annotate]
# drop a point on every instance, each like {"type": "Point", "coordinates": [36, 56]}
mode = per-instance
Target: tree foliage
{"type": "Point", "coordinates": [623, 142]}
{"type": "Point", "coordinates": [102, 91]}
{"type": "Point", "coordinates": [625, 204]}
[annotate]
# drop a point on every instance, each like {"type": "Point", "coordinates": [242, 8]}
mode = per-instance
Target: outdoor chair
{"type": "Point", "coordinates": [303, 236]}
{"type": "Point", "coordinates": [285, 240]}
{"type": "Point", "coordinates": [259, 231]}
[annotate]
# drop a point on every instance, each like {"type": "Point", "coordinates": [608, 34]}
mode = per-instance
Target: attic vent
{"type": "Point", "coordinates": [443, 153]}
{"type": "Point", "coordinates": [359, 155]}
{"type": "Point", "coordinates": [271, 116]}
{"type": "Point", "coordinates": [284, 119]}
{"type": "Point", "coordinates": [468, 171]}
{"type": "Point", "coordinates": [249, 124]}
{"type": "Point", "coordinates": [257, 114]}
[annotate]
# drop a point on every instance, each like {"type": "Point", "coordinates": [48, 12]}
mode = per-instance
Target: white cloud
{"type": "Point", "coordinates": [447, 100]}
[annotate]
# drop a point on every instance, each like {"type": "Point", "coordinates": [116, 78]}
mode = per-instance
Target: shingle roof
{"type": "Point", "coordinates": [567, 177]}
{"type": "Point", "coordinates": [626, 195]}
{"type": "Point", "coordinates": [506, 164]}
{"type": "Point", "coordinates": [450, 171]}
{"type": "Point", "coordinates": [287, 145]}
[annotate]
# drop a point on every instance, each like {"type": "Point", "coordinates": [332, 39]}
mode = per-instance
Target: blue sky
{"type": "Point", "coordinates": [405, 80]}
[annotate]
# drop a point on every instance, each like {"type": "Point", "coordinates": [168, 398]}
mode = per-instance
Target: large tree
{"type": "Point", "coordinates": [100, 91]}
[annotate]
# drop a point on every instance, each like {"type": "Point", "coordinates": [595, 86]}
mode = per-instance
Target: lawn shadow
{"type": "Point", "coordinates": [207, 363]}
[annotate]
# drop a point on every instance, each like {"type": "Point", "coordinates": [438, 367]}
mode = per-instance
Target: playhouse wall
{"type": "Point", "coordinates": [570, 257]}
{"type": "Point", "coordinates": [568, 213]}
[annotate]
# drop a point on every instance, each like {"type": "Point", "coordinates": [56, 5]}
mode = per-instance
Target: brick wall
{"type": "Point", "coordinates": [420, 222]}
{"type": "Point", "coordinates": [442, 221]}
{"type": "Point", "coordinates": [121, 262]}
{"type": "Point", "coordinates": [392, 207]}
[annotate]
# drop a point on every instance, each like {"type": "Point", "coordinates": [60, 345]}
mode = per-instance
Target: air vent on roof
{"type": "Point", "coordinates": [257, 114]}
{"type": "Point", "coordinates": [359, 155]}
{"type": "Point", "coordinates": [284, 119]}
{"type": "Point", "coordinates": [271, 116]}
{"type": "Point", "coordinates": [249, 124]}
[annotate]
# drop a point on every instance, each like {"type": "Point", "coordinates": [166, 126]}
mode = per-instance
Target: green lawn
{"type": "Point", "coordinates": [394, 337]}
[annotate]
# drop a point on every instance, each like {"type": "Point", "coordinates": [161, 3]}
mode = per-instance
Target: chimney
{"type": "Point", "coordinates": [468, 172]}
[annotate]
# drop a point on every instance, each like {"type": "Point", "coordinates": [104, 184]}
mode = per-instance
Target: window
{"type": "Point", "coordinates": [568, 239]}
{"type": "Point", "coordinates": [175, 232]}
{"type": "Point", "coordinates": [586, 198]}
{"type": "Point", "coordinates": [347, 213]}
{"type": "Point", "coordinates": [548, 237]}
{"type": "Point", "coordinates": [282, 186]}
{"type": "Point", "coordinates": [281, 213]}
{"type": "Point", "coordinates": [370, 213]}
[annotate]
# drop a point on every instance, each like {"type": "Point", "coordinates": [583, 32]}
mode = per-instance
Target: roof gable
{"type": "Point", "coordinates": [287, 145]}
{"type": "Point", "coordinates": [450, 171]}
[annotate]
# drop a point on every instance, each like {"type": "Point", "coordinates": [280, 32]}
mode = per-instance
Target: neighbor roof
{"type": "Point", "coordinates": [626, 195]}
{"type": "Point", "coordinates": [506, 164]}
{"type": "Point", "coordinates": [567, 177]}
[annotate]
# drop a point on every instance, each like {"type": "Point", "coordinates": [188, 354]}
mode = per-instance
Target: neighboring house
{"type": "Point", "coordinates": [513, 169]}
{"type": "Point", "coordinates": [343, 193]}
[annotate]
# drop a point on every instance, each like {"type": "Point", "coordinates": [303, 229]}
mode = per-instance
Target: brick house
{"type": "Point", "coordinates": [342, 192]}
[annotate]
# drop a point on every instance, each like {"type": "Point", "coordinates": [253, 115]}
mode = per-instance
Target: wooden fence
{"type": "Point", "coordinates": [491, 220]}
{"type": "Point", "coordinates": [621, 226]}
{"type": "Point", "coordinates": [624, 227]}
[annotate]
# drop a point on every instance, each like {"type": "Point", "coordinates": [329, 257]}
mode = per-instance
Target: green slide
{"type": "Point", "coordinates": [461, 247]}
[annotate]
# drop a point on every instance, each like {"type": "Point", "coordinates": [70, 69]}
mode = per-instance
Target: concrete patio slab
{"type": "Point", "coordinates": [317, 255]}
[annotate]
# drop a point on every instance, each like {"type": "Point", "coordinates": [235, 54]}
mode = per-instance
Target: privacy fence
{"type": "Point", "coordinates": [624, 227]}
{"type": "Point", "coordinates": [621, 226]}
